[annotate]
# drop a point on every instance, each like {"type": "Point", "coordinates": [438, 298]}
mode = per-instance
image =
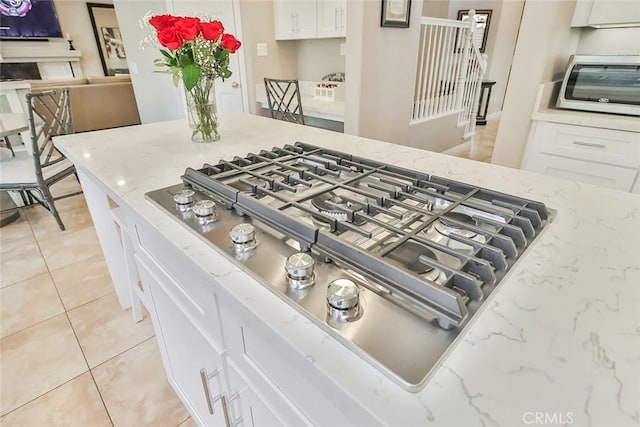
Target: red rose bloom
{"type": "Point", "coordinates": [160, 22]}
{"type": "Point", "coordinates": [169, 38]}
{"type": "Point", "coordinates": [228, 41]}
{"type": "Point", "coordinates": [212, 30]}
{"type": "Point", "coordinates": [188, 28]}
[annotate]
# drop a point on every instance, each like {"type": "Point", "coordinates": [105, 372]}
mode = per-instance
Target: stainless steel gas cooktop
{"type": "Point", "coordinates": [391, 262]}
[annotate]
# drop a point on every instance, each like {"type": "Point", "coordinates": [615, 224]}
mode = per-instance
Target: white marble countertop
{"type": "Point", "coordinates": [560, 336]}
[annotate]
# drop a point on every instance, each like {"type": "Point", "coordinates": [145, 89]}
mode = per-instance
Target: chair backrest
{"type": "Point", "coordinates": [284, 100]}
{"type": "Point", "coordinates": [49, 114]}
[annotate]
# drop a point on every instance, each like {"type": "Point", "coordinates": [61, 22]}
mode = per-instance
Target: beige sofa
{"type": "Point", "coordinates": [97, 102]}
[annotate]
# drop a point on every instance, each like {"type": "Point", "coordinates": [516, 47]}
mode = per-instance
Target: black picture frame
{"type": "Point", "coordinates": [395, 13]}
{"type": "Point", "coordinates": [483, 19]}
{"type": "Point", "coordinates": [111, 49]}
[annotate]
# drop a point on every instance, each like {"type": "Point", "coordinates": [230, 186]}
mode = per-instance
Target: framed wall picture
{"type": "Point", "coordinates": [483, 19]}
{"type": "Point", "coordinates": [108, 38]}
{"type": "Point", "coordinates": [395, 13]}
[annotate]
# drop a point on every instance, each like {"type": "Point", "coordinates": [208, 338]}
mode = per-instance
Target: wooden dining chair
{"type": "Point", "coordinates": [31, 173]}
{"type": "Point", "coordinates": [284, 100]}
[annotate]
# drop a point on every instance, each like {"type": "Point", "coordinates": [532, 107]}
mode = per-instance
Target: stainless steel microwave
{"type": "Point", "coordinates": [606, 84]}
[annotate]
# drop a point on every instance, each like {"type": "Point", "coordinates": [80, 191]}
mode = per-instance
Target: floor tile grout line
{"type": "Point", "coordinates": [25, 280]}
{"type": "Point", "coordinates": [84, 356]}
{"type": "Point", "coordinates": [66, 313]}
{"type": "Point", "coordinates": [123, 351]}
{"type": "Point", "coordinates": [48, 391]}
{"type": "Point", "coordinates": [64, 308]}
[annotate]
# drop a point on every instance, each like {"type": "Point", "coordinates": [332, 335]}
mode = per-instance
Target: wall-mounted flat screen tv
{"type": "Point", "coordinates": [28, 19]}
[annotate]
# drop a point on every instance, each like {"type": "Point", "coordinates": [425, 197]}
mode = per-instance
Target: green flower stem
{"type": "Point", "coordinates": [205, 122]}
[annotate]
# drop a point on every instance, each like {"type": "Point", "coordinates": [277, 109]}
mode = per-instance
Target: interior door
{"type": "Point", "coordinates": [231, 92]}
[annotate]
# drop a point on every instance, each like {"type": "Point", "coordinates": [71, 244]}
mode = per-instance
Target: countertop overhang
{"type": "Point", "coordinates": [560, 336]}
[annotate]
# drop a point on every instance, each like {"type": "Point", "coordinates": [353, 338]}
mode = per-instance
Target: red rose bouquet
{"type": "Point", "coordinates": [195, 52]}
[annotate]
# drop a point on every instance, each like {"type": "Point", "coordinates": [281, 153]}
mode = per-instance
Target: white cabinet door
{"type": "Point", "coordinates": [195, 368]}
{"type": "Point", "coordinates": [295, 19]}
{"type": "Point", "coordinates": [332, 18]}
{"type": "Point", "coordinates": [614, 12]}
{"type": "Point", "coordinates": [247, 409]}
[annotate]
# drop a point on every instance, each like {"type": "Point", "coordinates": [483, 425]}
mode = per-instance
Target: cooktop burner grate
{"type": "Point", "coordinates": [364, 213]}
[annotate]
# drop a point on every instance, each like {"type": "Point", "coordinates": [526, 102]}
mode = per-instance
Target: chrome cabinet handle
{"type": "Point", "coordinates": [341, 18]}
{"type": "Point", "coordinates": [335, 19]}
{"type": "Point", "coordinates": [225, 412]}
{"type": "Point", "coordinates": [293, 24]}
{"type": "Point", "coordinates": [589, 144]}
{"type": "Point", "coordinates": [204, 377]}
{"type": "Point", "coordinates": [205, 385]}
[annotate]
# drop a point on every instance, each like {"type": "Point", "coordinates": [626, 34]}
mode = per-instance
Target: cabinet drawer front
{"type": "Point", "coordinates": [597, 145]}
{"type": "Point", "coordinates": [275, 368]}
{"type": "Point", "coordinates": [202, 313]}
{"type": "Point", "coordinates": [615, 177]}
{"type": "Point", "coordinates": [194, 367]}
{"type": "Point", "coordinates": [196, 287]}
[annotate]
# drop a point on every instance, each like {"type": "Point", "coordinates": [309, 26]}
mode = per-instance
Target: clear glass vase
{"type": "Point", "coordinates": [202, 111]}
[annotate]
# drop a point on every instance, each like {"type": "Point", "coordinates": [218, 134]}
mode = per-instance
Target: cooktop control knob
{"type": "Point", "coordinates": [343, 294]}
{"type": "Point", "coordinates": [184, 200]}
{"type": "Point", "coordinates": [243, 236]}
{"type": "Point", "coordinates": [299, 268]}
{"type": "Point", "coordinates": [205, 211]}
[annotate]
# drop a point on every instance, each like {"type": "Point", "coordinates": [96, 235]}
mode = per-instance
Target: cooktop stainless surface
{"type": "Point", "coordinates": [391, 262]}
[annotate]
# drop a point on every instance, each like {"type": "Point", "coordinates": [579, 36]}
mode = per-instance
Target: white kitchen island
{"type": "Point", "coordinates": [558, 342]}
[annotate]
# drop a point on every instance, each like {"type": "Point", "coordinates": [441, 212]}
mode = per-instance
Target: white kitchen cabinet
{"type": "Point", "coordinates": [290, 383]}
{"type": "Point", "coordinates": [607, 13]}
{"type": "Point", "coordinates": [249, 371]}
{"type": "Point", "coordinates": [605, 157]}
{"type": "Point", "coordinates": [246, 408]}
{"type": "Point", "coordinates": [332, 18]}
{"type": "Point", "coordinates": [194, 367]}
{"type": "Point", "coordinates": [295, 19]}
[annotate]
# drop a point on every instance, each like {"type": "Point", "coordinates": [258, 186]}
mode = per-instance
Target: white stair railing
{"type": "Point", "coordinates": [449, 72]}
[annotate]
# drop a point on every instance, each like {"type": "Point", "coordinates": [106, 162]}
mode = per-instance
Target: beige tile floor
{"type": "Point", "coordinates": [69, 355]}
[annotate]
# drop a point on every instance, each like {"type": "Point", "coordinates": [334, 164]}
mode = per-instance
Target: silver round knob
{"type": "Point", "coordinates": [299, 265]}
{"type": "Point", "coordinates": [204, 208]}
{"type": "Point", "coordinates": [243, 233]}
{"type": "Point", "coordinates": [343, 294]}
{"type": "Point", "coordinates": [184, 199]}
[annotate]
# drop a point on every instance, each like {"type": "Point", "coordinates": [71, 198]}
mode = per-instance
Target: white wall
{"type": "Point", "coordinates": [74, 19]}
{"type": "Point", "coordinates": [281, 59]}
{"type": "Point", "coordinates": [158, 99]}
{"type": "Point", "coordinates": [544, 44]}
{"type": "Point", "coordinates": [380, 73]}
{"type": "Point", "coordinates": [319, 57]}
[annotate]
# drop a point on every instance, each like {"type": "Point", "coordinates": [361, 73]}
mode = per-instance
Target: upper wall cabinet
{"type": "Point", "coordinates": [295, 19]}
{"type": "Point", "coordinates": [332, 18]}
{"type": "Point", "coordinates": [310, 19]}
{"type": "Point", "coordinates": [606, 13]}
